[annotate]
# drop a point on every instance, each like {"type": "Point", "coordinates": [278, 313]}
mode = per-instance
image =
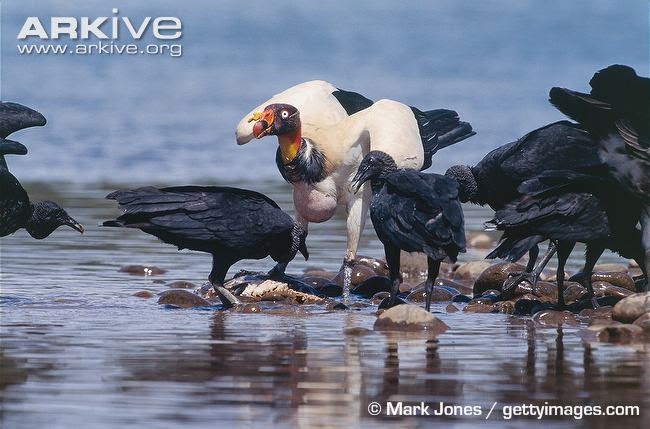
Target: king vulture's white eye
{"type": "Point", "coordinates": [284, 114]}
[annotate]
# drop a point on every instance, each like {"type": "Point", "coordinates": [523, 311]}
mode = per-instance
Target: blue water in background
{"type": "Point", "coordinates": [157, 119]}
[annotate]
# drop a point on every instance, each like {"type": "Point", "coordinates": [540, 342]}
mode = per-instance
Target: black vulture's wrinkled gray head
{"type": "Point", "coordinates": [372, 166]}
{"type": "Point", "coordinates": [468, 188]}
{"type": "Point", "coordinates": [48, 216]}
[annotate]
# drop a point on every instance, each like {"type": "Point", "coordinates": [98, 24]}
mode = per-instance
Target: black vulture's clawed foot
{"type": "Point", "coordinates": [227, 298]}
{"type": "Point", "coordinates": [277, 273]}
{"type": "Point", "coordinates": [578, 277]}
{"type": "Point", "coordinates": [386, 303]}
{"type": "Point", "coordinates": [513, 280]}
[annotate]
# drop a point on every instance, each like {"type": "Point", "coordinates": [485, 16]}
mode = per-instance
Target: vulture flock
{"type": "Point", "coordinates": [586, 181]}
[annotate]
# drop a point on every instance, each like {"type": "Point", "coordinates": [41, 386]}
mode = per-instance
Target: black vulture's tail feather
{"type": "Point", "coordinates": [513, 249]}
{"type": "Point", "coordinates": [114, 223]}
{"type": "Point", "coordinates": [440, 128]}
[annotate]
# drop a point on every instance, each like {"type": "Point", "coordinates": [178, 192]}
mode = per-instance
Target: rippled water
{"type": "Point", "coordinates": [76, 347]}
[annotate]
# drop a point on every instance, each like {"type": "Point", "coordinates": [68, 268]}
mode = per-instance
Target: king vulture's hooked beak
{"type": "Point", "coordinates": [264, 123]}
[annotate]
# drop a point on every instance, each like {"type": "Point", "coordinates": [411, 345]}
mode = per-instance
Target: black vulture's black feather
{"type": "Point", "coordinates": [230, 223]}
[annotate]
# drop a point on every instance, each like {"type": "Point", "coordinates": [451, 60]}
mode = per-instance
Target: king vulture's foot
{"type": "Point", "coordinates": [348, 264]}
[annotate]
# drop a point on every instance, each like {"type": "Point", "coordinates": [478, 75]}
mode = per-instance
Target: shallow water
{"type": "Point", "coordinates": [76, 347]}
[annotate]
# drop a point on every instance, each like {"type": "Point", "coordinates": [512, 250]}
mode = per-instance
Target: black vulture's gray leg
{"type": "Point", "coordinates": [645, 239]}
{"type": "Point", "coordinates": [393, 261]}
{"type": "Point", "coordinates": [277, 272]}
{"type": "Point", "coordinates": [592, 255]}
{"type": "Point", "coordinates": [432, 275]}
{"type": "Point", "coordinates": [564, 249]}
{"type": "Point", "coordinates": [533, 254]}
{"type": "Point", "coordinates": [531, 277]}
{"type": "Point", "coordinates": [217, 276]}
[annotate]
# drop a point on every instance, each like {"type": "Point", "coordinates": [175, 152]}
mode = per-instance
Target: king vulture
{"type": "Point", "coordinates": [324, 133]}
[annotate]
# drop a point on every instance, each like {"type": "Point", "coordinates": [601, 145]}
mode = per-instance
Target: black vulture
{"type": "Point", "coordinates": [414, 212]}
{"type": "Point", "coordinates": [16, 211]}
{"type": "Point", "coordinates": [229, 223]}
{"type": "Point", "coordinates": [617, 114]}
{"type": "Point", "coordinates": [566, 207]}
{"type": "Point", "coordinates": [495, 180]}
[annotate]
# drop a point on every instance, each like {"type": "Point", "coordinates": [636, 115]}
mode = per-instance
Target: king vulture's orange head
{"type": "Point", "coordinates": [275, 120]}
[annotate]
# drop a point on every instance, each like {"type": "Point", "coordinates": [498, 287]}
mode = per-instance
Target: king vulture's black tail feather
{"type": "Point", "coordinates": [440, 128]}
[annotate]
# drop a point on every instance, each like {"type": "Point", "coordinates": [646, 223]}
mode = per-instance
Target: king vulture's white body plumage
{"type": "Point", "coordinates": [336, 129]}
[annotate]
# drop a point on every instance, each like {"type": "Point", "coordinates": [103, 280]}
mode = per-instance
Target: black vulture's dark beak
{"type": "Point", "coordinates": [304, 251]}
{"type": "Point", "coordinates": [359, 179]}
{"type": "Point", "coordinates": [74, 225]}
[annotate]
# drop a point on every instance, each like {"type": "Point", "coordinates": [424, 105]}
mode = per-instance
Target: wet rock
{"type": "Point", "coordinates": [406, 287]}
{"type": "Point", "coordinates": [617, 291]}
{"type": "Point", "coordinates": [480, 241]}
{"type": "Point", "coordinates": [315, 282]}
{"type": "Point", "coordinates": [181, 285]}
{"type": "Point", "coordinates": [545, 289]}
{"type": "Point", "coordinates": [522, 288]}
{"type": "Point", "coordinates": [632, 307]}
{"type": "Point", "coordinates": [492, 295]}
{"type": "Point", "coordinates": [525, 307]}
{"type": "Point", "coordinates": [438, 294]}
{"type": "Point", "coordinates": [616, 332]}
{"type": "Point", "coordinates": [317, 272]}
{"type": "Point", "coordinates": [330, 290]}
{"type": "Point", "coordinates": [643, 321]}
{"type": "Point", "coordinates": [471, 270]}
{"type": "Point", "coordinates": [357, 331]}
{"type": "Point", "coordinates": [462, 286]}
{"type": "Point", "coordinates": [142, 270]}
{"type": "Point", "coordinates": [250, 308]}
{"type": "Point", "coordinates": [182, 298]}
{"type": "Point", "coordinates": [461, 298]}
{"type": "Point", "coordinates": [409, 318]}
{"type": "Point", "coordinates": [334, 305]}
{"type": "Point", "coordinates": [599, 288]}
{"type": "Point", "coordinates": [378, 266]}
{"type": "Point", "coordinates": [386, 302]}
{"type": "Point", "coordinates": [573, 292]}
{"type": "Point", "coordinates": [361, 273]}
{"type": "Point", "coordinates": [475, 306]}
{"type": "Point", "coordinates": [615, 278]}
{"type": "Point", "coordinates": [506, 307]}
{"type": "Point", "coordinates": [600, 314]}
{"type": "Point", "coordinates": [494, 276]}
{"type": "Point", "coordinates": [372, 285]}
{"type": "Point", "coordinates": [143, 294]}
{"type": "Point", "coordinates": [611, 268]}
{"type": "Point", "coordinates": [270, 290]}
{"type": "Point", "coordinates": [379, 297]}
{"type": "Point", "coordinates": [451, 308]}
{"type": "Point", "coordinates": [553, 318]}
